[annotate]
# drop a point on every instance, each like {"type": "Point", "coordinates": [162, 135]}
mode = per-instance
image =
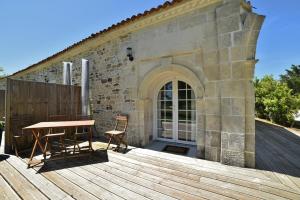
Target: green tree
{"type": "Point", "coordinates": [275, 100]}
{"type": "Point", "coordinates": [1, 72]}
{"type": "Point", "coordinates": [292, 78]}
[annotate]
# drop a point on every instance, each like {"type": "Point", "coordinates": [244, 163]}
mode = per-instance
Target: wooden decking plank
{"type": "Point", "coordinates": [256, 193]}
{"type": "Point", "coordinates": [151, 185]}
{"type": "Point", "coordinates": [200, 170]}
{"type": "Point", "coordinates": [230, 174]}
{"type": "Point", "coordinates": [270, 187]}
{"type": "Point", "coordinates": [265, 156]}
{"type": "Point", "coordinates": [276, 167]}
{"type": "Point", "coordinates": [200, 162]}
{"type": "Point", "coordinates": [140, 189]}
{"type": "Point", "coordinates": [121, 165]}
{"type": "Point", "coordinates": [265, 165]}
{"type": "Point", "coordinates": [295, 180]}
{"type": "Point", "coordinates": [286, 181]}
{"type": "Point", "coordinates": [66, 185]}
{"type": "Point", "coordinates": [20, 184]}
{"type": "Point", "coordinates": [254, 186]}
{"type": "Point", "coordinates": [286, 165]}
{"type": "Point", "coordinates": [171, 184]}
{"type": "Point", "coordinates": [282, 148]}
{"type": "Point", "coordinates": [40, 182]}
{"type": "Point", "coordinates": [283, 138]}
{"type": "Point", "coordinates": [87, 185]}
{"type": "Point", "coordinates": [108, 185]}
{"type": "Point", "coordinates": [6, 192]}
{"type": "Point", "coordinates": [166, 179]}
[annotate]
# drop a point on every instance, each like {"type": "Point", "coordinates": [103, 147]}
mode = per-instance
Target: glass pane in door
{"type": "Point", "coordinates": [186, 112]}
{"type": "Point", "coordinates": [165, 111]}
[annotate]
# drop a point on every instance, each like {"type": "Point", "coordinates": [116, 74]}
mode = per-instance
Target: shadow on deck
{"type": "Point", "coordinates": [277, 149]}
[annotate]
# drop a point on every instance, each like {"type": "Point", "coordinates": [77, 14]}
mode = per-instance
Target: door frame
{"type": "Point", "coordinates": [174, 113]}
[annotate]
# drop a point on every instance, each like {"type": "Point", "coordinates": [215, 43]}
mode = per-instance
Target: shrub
{"type": "Point", "coordinates": [275, 101]}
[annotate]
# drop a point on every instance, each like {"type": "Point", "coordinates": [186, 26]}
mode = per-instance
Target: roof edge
{"type": "Point", "coordinates": [138, 21]}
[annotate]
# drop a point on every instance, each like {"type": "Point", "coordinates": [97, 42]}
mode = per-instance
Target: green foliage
{"type": "Point", "coordinates": [275, 100]}
{"type": "Point", "coordinates": [292, 78]}
{"type": "Point", "coordinates": [1, 72]}
{"type": "Point", "coordinates": [2, 123]}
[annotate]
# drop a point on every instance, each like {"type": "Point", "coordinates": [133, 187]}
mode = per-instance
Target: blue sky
{"type": "Point", "coordinates": [33, 30]}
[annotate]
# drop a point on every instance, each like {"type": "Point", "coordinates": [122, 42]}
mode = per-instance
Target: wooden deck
{"type": "Point", "coordinates": [277, 149]}
{"type": "Point", "coordinates": [140, 174]}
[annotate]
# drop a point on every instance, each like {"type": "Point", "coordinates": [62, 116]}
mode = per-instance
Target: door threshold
{"type": "Point", "coordinates": [158, 145]}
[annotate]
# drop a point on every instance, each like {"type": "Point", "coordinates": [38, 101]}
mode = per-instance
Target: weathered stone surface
{"type": "Point", "coordinates": [212, 106]}
{"type": "Point", "coordinates": [250, 159]}
{"type": "Point", "coordinates": [213, 122]}
{"type": "Point", "coordinates": [213, 138]}
{"type": "Point", "coordinates": [232, 88]}
{"type": "Point", "coordinates": [224, 55]}
{"type": "Point", "coordinates": [233, 124]}
{"type": "Point", "coordinates": [229, 24]}
{"type": "Point", "coordinates": [238, 70]}
{"type": "Point", "coordinates": [226, 106]}
{"type": "Point", "coordinates": [211, 71]}
{"type": "Point", "coordinates": [236, 142]}
{"type": "Point", "coordinates": [238, 106]}
{"type": "Point", "coordinates": [210, 29]}
{"type": "Point", "coordinates": [225, 71]}
{"type": "Point", "coordinates": [211, 89]}
{"type": "Point", "coordinates": [228, 9]}
{"type": "Point", "coordinates": [224, 40]}
{"type": "Point", "coordinates": [250, 142]}
{"type": "Point", "coordinates": [212, 153]}
{"type": "Point", "coordinates": [224, 140]}
{"type": "Point", "coordinates": [200, 151]}
{"type": "Point", "coordinates": [238, 53]}
{"type": "Point", "coordinates": [234, 158]}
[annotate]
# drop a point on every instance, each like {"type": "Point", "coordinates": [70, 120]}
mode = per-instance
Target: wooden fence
{"type": "Point", "coordinates": [2, 104]}
{"type": "Point", "coordinates": [31, 102]}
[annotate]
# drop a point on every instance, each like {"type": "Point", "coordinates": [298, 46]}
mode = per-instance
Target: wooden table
{"type": "Point", "coordinates": [36, 130]}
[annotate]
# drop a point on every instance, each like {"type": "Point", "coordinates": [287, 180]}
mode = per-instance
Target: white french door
{"type": "Point", "coordinates": [176, 112]}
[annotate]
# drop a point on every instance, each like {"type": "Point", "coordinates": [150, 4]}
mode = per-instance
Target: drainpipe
{"type": "Point", "coordinates": [85, 87]}
{"type": "Point", "coordinates": [67, 73]}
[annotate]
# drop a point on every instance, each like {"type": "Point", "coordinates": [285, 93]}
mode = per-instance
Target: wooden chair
{"type": "Point", "coordinates": [55, 134]}
{"type": "Point", "coordinates": [19, 122]}
{"type": "Point", "coordinates": [50, 138]}
{"type": "Point", "coordinates": [80, 132]}
{"type": "Point", "coordinates": [118, 134]}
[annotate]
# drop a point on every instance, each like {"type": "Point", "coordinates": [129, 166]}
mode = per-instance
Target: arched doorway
{"type": "Point", "coordinates": [175, 112]}
{"type": "Point", "coordinates": [150, 86]}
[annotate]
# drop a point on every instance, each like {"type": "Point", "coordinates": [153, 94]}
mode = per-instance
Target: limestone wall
{"type": "Point", "coordinates": [212, 48]}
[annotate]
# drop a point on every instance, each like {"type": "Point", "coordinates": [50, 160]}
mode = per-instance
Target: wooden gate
{"type": "Point", "coordinates": [31, 102]}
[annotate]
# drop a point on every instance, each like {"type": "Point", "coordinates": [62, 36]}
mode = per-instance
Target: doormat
{"type": "Point", "coordinates": [176, 149]}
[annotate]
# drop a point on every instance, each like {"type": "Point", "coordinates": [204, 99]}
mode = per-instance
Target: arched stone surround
{"type": "Point", "coordinates": [148, 89]}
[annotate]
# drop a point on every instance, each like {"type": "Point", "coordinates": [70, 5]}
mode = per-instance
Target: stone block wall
{"type": "Point", "coordinates": [212, 48]}
{"type": "Point", "coordinates": [237, 34]}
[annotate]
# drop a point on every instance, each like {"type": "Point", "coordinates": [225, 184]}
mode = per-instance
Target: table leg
{"type": "Point", "coordinates": [37, 142]}
{"type": "Point", "coordinates": [32, 153]}
{"type": "Point", "coordinates": [90, 139]}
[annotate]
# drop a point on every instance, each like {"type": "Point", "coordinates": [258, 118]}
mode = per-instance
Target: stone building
{"type": "Point", "coordinates": [190, 80]}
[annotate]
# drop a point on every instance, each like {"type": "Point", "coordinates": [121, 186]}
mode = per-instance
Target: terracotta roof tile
{"type": "Point", "coordinates": [166, 5]}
